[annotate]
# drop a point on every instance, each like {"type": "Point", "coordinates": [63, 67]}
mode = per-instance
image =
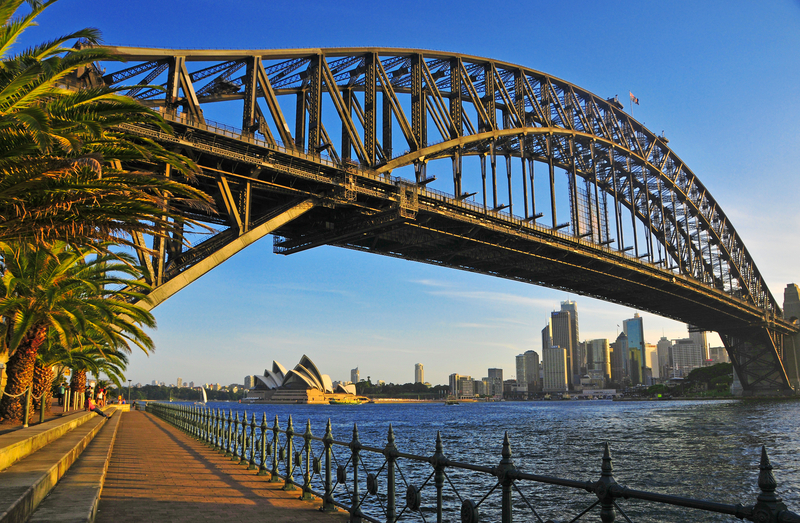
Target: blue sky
{"type": "Point", "coordinates": [720, 78]}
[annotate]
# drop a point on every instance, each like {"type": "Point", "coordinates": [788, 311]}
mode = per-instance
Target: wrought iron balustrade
{"type": "Point", "coordinates": [383, 484]}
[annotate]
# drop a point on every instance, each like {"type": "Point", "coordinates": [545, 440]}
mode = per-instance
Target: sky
{"type": "Point", "coordinates": [720, 78]}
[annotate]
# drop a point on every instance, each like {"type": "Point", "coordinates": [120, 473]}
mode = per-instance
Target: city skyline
{"type": "Point", "coordinates": [348, 309]}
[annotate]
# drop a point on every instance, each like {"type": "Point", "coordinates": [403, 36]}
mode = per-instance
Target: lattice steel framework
{"type": "Point", "coordinates": [639, 217]}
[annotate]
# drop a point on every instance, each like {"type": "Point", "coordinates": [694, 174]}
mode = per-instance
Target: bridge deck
{"type": "Point", "coordinates": [157, 473]}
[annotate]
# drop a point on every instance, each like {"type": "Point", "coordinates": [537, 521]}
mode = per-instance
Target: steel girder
{"type": "Point", "coordinates": [612, 162]}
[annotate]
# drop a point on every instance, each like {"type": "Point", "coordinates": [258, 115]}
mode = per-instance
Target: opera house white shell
{"type": "Point", "coordinates": [303, 384]}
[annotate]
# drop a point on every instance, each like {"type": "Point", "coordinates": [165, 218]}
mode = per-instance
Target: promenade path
{"type": "Point", "coordinates": [157, 473]}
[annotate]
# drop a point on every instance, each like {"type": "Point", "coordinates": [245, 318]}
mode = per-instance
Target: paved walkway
{"type": "Point", "coordinates": [158, 473]}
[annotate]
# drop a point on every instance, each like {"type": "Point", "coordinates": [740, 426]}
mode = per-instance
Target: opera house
{"type": "Point", "coordinates": [302, 384]}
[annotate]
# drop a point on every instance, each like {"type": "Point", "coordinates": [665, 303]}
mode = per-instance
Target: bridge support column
{"type": "Point", "coordinates": [755, 357]}
{"type": "Point", "coordinates": [172, 286]}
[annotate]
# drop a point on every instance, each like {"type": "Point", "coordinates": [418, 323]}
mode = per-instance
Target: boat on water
{"type": "Point", "coordinates": [205, 398]}
{"type": "Point", "coordinates": [347, 401]}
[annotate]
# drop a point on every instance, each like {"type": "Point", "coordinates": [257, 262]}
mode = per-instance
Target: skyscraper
{"type": "Point", "coordinates": [179, 382]}
{"type": "Point", "coordinates": [419, 373]}
{"type": "Point", "coordinates": [664, 350]}
{"type": "Point", "coordinates": [496, 382]}
{"type": "Point", "coordinates": [578, 352]}
{"type": "Point", "coordinates": [354, 375]}
{"type": "Point", "coordinates": [547, 337]}
{"type": "Point", "coordinates": [532, 371]}
{"type": "Point", "coordinates": [598, 358]}
{"type": "Point", "coordinates": [521, 369]}
{"type": "Point", "coordinates": [619, 359]}
{"type": "Point", "coordinates": [634, 330]}
{"type": "Point", "coordinates": [561, 327]}
{"type": "Point", "coordinates": [555, 369]}
{"type": "Point", "coordinates": [700, 339]}
{"type": "Point", "coordinates": [687, 356]}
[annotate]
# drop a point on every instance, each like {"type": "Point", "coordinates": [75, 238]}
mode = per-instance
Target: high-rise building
{"type": "Point", "coordinates": [598, 358]}
{"type": "Point", "coordinates": [720, 354]}
{"type": "Point", "coordinates": [532, 370]}
{"type": "Point", "coordinates": [578, 352]}
{"type": "Point", "coordinates": [562, 332]}
{"type": "Point", "coordinates": [495, 377]}
{"type": "Point", "coordinates": [664, 351]}
{"type": "Point", "coordinates": [700, 339]}
{"type": "Point", "coordinates": [419, 373]}
{"type": "Point", "coordinates": [619, 359]}
{"type": "Point", "coordinates": [651, 361]}
{"type": "Point", "coordinates": [520, 369]}
{"type": "Point", "coordinates": [249, 381]}
{"type": "Point", "coordinates": [354, 374]}
{"type": "Point", "coordinates": [547, 337]}
{"type": "Point", "coordinates": [687, 355]}
{"type": "Point", "coordinates": [634, 330]}
{"type": "Point", "coordinates": [179, 382]}
{"type": "Point", "coordinates": [462, 386]}
{"type": "Point", "coordinates": [191, 384]}
{"type": "Point", "coordinates": [555, 369]}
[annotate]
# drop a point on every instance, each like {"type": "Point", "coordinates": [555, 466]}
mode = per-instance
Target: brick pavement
{"type": "Point", "coordinates": [158, 473]}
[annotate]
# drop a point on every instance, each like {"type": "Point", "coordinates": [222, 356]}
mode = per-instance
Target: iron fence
{"type": "Point", "coordinates": [383, 484]}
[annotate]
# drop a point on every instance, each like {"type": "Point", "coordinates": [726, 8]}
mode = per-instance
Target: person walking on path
{"type": "Point", "coordinates": [91, 406]}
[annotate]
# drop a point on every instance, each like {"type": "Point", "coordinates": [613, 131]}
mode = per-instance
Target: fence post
{"type": "Point", "coordinates": [390, 451]}
{"type": "Point", "coordinates": [262, 468]}
{"type": "Point", "coordinates": [237, 446]}
{"type": "Point", "coordinates": [439, 462]}
{"type": "Point", "coordinates": [228, 452]}
{"type": "Point", "coordinates": [603, 487]}
{"type": "Point", "coordinates": [504, 471]}
{"type": "Point", "coordinates": [215, 436]}
{"type": "Point", "coordinates": [355, 448]}
{"type": "Point", "coordinates": [327, 501]}
{"type": "Point", "coordinates": [275, 434]}
{"type": "Point", "coordinates": [768, 505]}
{"type": "Point", "coordinates": [307, 496]}
{"type": "Point", "coordinates": [27, 405]}
{"type": "Point", "coordinates": [252, 462]}
{"type": "Point", "coordinates": [288, 483]}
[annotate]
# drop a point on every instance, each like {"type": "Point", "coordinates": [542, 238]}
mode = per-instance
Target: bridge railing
{"type": "Point", "coordinates": [380, 484]}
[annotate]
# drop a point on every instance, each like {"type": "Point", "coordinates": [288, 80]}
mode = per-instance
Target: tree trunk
{"type": "Point", "coordinates": [20, 374]}
{"type": "Point", "coordinates": [78, 386]}
{"type": "Point", "coordinates": [42, 383]}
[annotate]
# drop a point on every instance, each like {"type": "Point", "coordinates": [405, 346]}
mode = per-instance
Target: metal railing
{"type": "Point", "coordinates": [367, 481]}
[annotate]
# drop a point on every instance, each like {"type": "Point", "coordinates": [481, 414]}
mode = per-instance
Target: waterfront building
{"type": "Point", "coordinates": [354, 375]}
{"type": "Point", "coordinates": [791, 344]}
{"type": "Point", "coordinates": [720, 354]}
{"type": "Point", "coordinates": [564, 333]}
{"type": "Point", "coordinates": [419, 373]}
{"type": "Point", "coordinates": [700, 339]}
{"type": "Point", "coordinates": [520, 369]}
{"type": "Point", "coordinates": [687, 356]}
{"type": "Point", "coordinates": [462, 387]}
{"type": "Point", "coordinates": [179, 382]}
{"type": "Point", "coordinates": [619, 360]}
{"type": "Point", "coordinates": [664, 352]}
{"type": "Point", "coordinates": [479, 387]}
{"type": "Point", "coordinates": [547, 337]}
{"type": "Point", "coordinates": [555, 369]}
{"type": "Point", "coordinates": [651, 360]}
{"type": "Point", "coordinates": [249, 381]}
{"type": "Point", "coordinates": [634, 330]}
{"type": "Point", "coordinates": [578, 353]}
{"type": "Point", "coordinates": [495, 379]}
{"type": "Point", "coordinates": [303, 384]}
{"type": "Point", "coordinates": [598, 359]}
{"type": "Point", "coordinates": [532, 371]}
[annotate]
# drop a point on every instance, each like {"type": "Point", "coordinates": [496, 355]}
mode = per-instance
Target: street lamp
{"type": "Point", "coordinates": [129, 391]}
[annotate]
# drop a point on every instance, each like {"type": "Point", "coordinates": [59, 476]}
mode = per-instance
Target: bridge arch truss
{"type": "Point", "coordinates": [356, 115]}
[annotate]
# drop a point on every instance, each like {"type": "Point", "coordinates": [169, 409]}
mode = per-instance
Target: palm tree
{"type": "Point", "coordinates": [83, 297]}
{"type": "Point", "coordinates": [62, 153]}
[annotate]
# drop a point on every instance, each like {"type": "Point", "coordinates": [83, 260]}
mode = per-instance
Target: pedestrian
{"type": "Point", "coordinates": [61, 391]}
{"type": "Point", "coordinates": [92, 407]}
{"type": "Point", "coordinates": [100, 398]}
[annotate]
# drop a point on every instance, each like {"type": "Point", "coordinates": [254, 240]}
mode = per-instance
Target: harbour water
{"type": "Point", "coordinates": [701, 449]}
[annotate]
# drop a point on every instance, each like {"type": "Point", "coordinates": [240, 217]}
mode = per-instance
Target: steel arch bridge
{"type": "Point", "coordinates": [590, 201]}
